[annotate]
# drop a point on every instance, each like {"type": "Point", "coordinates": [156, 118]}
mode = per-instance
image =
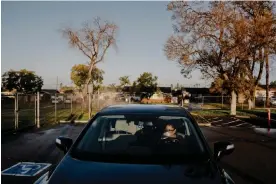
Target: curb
{"type": "Point", "coordinates": [208, 124]}
{"type": "Point", "coordinates": [78, 121]}
{"type": "Point", "coordinates": [242, 116]}
{"type": "Point", "coordinates": [204, 124]}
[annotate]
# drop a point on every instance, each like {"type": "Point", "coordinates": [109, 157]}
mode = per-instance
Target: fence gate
{"type": "Point", "coordinates": [26, 109]}
{"type": "Point", "coordinates": [8, 112]}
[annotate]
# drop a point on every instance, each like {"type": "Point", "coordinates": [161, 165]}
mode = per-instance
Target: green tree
{"type": "Point", "coordinates": [124, 81]}
{"type": "Point", "coordinates": [146, 84]}
{"type": "Point", "coordinates": [79, 75]}
{"type": "Point", "coordinates": [273, 83]}
{"type": "Point", "coordinates": [133, 88]}
{"type": "Point", "coordinates": [67, 89]}
{"type": "Point", "coordinates": [22, 81]}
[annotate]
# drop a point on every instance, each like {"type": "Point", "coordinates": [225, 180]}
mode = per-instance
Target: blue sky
{"type": "Point", "coordinates": [31, 40]}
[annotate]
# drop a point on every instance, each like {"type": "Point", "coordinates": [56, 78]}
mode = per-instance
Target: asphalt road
{"type": "Point", "coordinates": [253, 161]}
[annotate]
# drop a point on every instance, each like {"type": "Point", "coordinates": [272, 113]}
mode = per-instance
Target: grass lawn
{"type": "Point", "coordinates": [272, 110]}
{"type": "Point", "coordinates": [215, 113]}
{"type": "Point", "coordinates": [223, 106]}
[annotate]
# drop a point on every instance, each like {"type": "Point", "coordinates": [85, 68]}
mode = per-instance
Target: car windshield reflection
{"type": "Point", "coordinates": [144, 136]}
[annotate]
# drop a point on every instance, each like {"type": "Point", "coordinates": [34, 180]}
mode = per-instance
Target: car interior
{"type": "Point", "coordinates": [135, 136]}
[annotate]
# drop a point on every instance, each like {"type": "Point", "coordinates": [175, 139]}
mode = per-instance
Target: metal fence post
{"type": "Point", "coordinates": [35, 110]}
{"type": "Point", "coordinates": [71, 104]}
{"type": "Point", "coordinates": [55, 106]}
{"type": "Point", "coordinates": [221, 101]}
{"type": "Point", "coordinates": [38, 118]}
{"type": "Point", "coordinates": [15, 111]}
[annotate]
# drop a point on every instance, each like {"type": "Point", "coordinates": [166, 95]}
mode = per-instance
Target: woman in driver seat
{"type": "Point", "coordinates": [171, 132]}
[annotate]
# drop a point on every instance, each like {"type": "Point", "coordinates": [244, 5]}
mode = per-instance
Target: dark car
{"type": "Point", "coordinates": [140, 144]}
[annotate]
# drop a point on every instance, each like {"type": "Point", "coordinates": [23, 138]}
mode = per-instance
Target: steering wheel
{"type": "Point", "coordinates": [169, 140]}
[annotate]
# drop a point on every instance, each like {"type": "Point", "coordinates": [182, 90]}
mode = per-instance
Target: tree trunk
{"type": "Point", "coordinates": [233, 103]}
{"type": "Point", "coordinates": [82, 103]}
{"type": "Point", "coordinates": [89, 80]}
{"type": "Point", "coordinates": [254, 98]}
{"type": "Point", "coordinates": [267, 78]}
{"type": "Point", "coordinates": [250, 104]}
{"type": "Point", "coordinates": [91, 100]}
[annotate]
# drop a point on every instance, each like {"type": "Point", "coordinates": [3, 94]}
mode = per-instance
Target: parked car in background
{"type": "Point", "coordinates": [140, 144]}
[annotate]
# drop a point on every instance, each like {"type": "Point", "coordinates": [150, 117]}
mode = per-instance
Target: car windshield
{"type": "Point", "coordinates": [148, 138]}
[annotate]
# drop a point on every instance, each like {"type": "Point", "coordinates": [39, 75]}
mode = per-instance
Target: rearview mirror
{"type": "Point", "coordinates": [64, 143]}
{"type": "Point", "coordinates": [223, 148]}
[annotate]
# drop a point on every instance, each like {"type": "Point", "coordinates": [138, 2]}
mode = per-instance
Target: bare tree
{"type": "Point", "coordinates": [222, 41]}
{"type": "Point", "coordinates": [262, 32]}
{"type": "Point", "coordinates": [93, 41]}
{"type": "Point", "coordinates": [207, 39]}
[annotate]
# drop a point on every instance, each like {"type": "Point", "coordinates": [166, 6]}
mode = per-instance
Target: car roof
{"type": "Point", "coordinates": [144, 109]}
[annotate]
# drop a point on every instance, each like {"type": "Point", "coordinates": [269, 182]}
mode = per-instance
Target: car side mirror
{"type": "Point", "coordinates": [64, 143]}
{"type": "Point", "coordinates": [223, 148]}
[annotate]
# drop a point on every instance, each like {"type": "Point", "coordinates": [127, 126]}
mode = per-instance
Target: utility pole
{"type": "Point", "coordinates": [38, 118]}
{"type": "Point", "coordinates": [71, 103]}
{"type": "Point", "coordinates": [56, 101]}
{"type": "Point", "coordinates": [15, 111]}
{"type": "Point", "coordinates": [35, 110]}
{"type": "Point", "coordinates": [267, 77]}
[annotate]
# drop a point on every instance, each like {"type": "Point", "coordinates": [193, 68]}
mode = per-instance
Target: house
{"type": "Point", "coordinates": [48, 94]}
{"type": "Point", "coordinates": [260, 94]}
{"type": "Point", "coordinates": [261, 91]}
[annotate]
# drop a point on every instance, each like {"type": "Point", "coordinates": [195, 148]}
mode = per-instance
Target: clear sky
{"type": "Point", "coordinates": [31, 40]}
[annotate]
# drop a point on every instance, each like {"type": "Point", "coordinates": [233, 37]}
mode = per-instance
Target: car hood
{"type": "Point", "coordinates": [71, 170]}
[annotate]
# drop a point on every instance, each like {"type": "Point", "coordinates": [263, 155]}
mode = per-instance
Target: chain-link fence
{"type": "Point", "coordinates": [7, 112]}
{"type": "Point", "coordinates": [224, 102]}
{"type": "Point", "coordinates": [212, 102]}
{"type": "Point", "coordinates": [260, 101]}
{"type": "Point", "coordinates": [21, 110]}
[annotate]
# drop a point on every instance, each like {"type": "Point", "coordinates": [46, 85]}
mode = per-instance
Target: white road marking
{"type": "Point", "coordinates": [217, 121]}
{"type": "Point", "coordinates": [230, 122]}
{"type": "Point", "coordinates": [243, 124]}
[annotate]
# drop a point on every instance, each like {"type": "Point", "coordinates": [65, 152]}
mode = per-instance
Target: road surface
{"type": "Point", "coordinates": [253, 161]}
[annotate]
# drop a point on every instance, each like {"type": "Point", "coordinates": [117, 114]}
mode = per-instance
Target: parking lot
{"type": "Point", "coordinates": [229, 122]}
{"type": "Point", "coordinates": [253, 160]}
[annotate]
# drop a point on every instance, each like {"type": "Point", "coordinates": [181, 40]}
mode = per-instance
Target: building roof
{"type": "Point", "coordinates": [263, 87]}
{"type": "Point", "coordinates": [50, 91]}
{"type": "Point", "coordinates": [197, 90]}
